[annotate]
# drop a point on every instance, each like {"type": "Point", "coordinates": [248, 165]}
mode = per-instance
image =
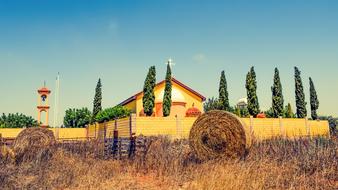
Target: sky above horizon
{"type": "Point", "coordinates": [118, 41]}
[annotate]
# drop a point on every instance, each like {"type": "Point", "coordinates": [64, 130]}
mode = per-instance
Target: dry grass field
{"type": "Point", "coordinates": [276, 164]}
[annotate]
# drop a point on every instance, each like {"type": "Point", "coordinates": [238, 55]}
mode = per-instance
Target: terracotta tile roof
{"type": "Point", "coordinates": [163, 81]}
{"type": "Point", "coordinates": [44, 90]}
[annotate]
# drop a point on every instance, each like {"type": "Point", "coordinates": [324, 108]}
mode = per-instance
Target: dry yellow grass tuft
{"type": "Point", "coordinates": [277, 164]}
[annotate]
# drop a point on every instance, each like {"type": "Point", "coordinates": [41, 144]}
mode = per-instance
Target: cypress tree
{"type": "Point", "coordinates": [97, 104]}
{"type": "Point", "coordinates": [300, 97]}
{"type": "Point", "coordinates": [313, 100]}
{"type": "Point", "coordinates": [223, 93]}
{"type": "Point", "coordinates": [277, 96]}
{"type": "Point", "coordinates": [148, 98]}
{"type": "Point", "coordinates": [153, 77]}
{"type": "Point", "coordinates": [251, 87]}
{"type": "Point", "coordinates": [167, 93]}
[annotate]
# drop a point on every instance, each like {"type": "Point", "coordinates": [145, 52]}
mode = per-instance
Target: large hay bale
{"type": "Point", "coordinates": [34, 144]}
{"type": "Point", "coordinates": [219, 134]}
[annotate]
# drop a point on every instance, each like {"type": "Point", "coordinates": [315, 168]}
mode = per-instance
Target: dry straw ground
{"type": "Point", "coordinates": [276, 164]}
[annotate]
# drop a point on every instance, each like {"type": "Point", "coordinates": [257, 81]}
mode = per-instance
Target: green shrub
{"type": "Point", "coordinates": [211, 104]}
{"type": "Point", "coordinates": [17, 121]}
{"type": "Point", "coordinates": [333, 121]}
{"type": "Point", "coordinates": [112, 113]}
{"type": "Point", "coordinates": [77, 118]}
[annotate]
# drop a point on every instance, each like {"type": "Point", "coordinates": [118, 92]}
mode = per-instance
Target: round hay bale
{"type": "Point", "coordinates": [34, 144]}
{"type": "Point", "coordinates": [219, 134]}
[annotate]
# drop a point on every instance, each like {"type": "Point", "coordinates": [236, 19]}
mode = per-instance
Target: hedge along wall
{"type": "Point", "coordinates": [64, 133]}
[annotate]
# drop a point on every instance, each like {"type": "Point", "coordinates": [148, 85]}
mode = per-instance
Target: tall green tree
{"type": "Point", "coordinates": [313, 100]}
{"type": "Point", "coordinates": [251, 88]}
{"type": "Point", "coordinates": [153, 77]}
{"type": "Point", "coordinates": [223, 93]}
{"type": "Point", "coordinates": [277, 96]}
{"type": "Point", "coordinates": [300, 97]}
{"type": "Point", "coordinates": [97, 104]}
{"type": "Point", "coordinates": [167, 93]}
{"type": "Point", "coordinates": [148, 99]}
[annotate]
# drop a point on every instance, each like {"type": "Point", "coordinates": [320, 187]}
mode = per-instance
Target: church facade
{"type": "Point", "coordinates": [186, 102]}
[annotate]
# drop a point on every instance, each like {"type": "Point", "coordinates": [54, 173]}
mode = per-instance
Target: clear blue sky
{"type": "Point", "coordinates": [119, 40]}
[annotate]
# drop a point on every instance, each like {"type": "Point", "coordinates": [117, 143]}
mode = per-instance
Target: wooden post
{"type": "Point", "coordinates": [116, 134]}
{"type": "Point", "coordinates": [1, 140]}
{"type": "Point", "coordinates": [130, 126]}
{"type": "Point", "coordinates": [87, 133]}
{"type": "Point", "coordinates": [282, 130]}
{"type": "Point", "coordinates": [115, 125]}
{"type": "Point", "coordinates": [308, 132]}
{"type": "Point", "coordinates": [251, 126]}
{"type": "Point", "coordinates": [104, 131]}
{"type": "Point", "coordinates": [95, 130]}
{"type": "Point", "coordinates": [115, 139]}
{"type": "Point", "coordinates": [329, 132]}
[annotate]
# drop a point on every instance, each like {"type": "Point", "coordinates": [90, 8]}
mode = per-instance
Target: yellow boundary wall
{"type": "Point", "coordinates": [64, 133]}
{"type": "Point", "coordinates": [260, 128]}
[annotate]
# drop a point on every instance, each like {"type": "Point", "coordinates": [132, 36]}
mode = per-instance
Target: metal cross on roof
{"type": "Point", "coordinates": [171, 63]}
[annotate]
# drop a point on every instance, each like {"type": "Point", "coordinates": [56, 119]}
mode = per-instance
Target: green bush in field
{"type": "Point", "coordinates": [211, 104]}
{"type": "Point", "coordinates": [288, 113]}
{"type": "Point", "coordinates": [77, 118]}
{"type": "Point", "coordinates": [112, 113]}
{"type": "Point", "coordinates": [17, 121]}
{"type": "Point", "coordinates": [269, 113]}
{"type": "Point", "coordinates": [333, 123]}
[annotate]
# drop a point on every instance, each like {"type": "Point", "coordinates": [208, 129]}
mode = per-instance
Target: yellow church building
{"type": "Point", "coordinates": [186, 102]}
